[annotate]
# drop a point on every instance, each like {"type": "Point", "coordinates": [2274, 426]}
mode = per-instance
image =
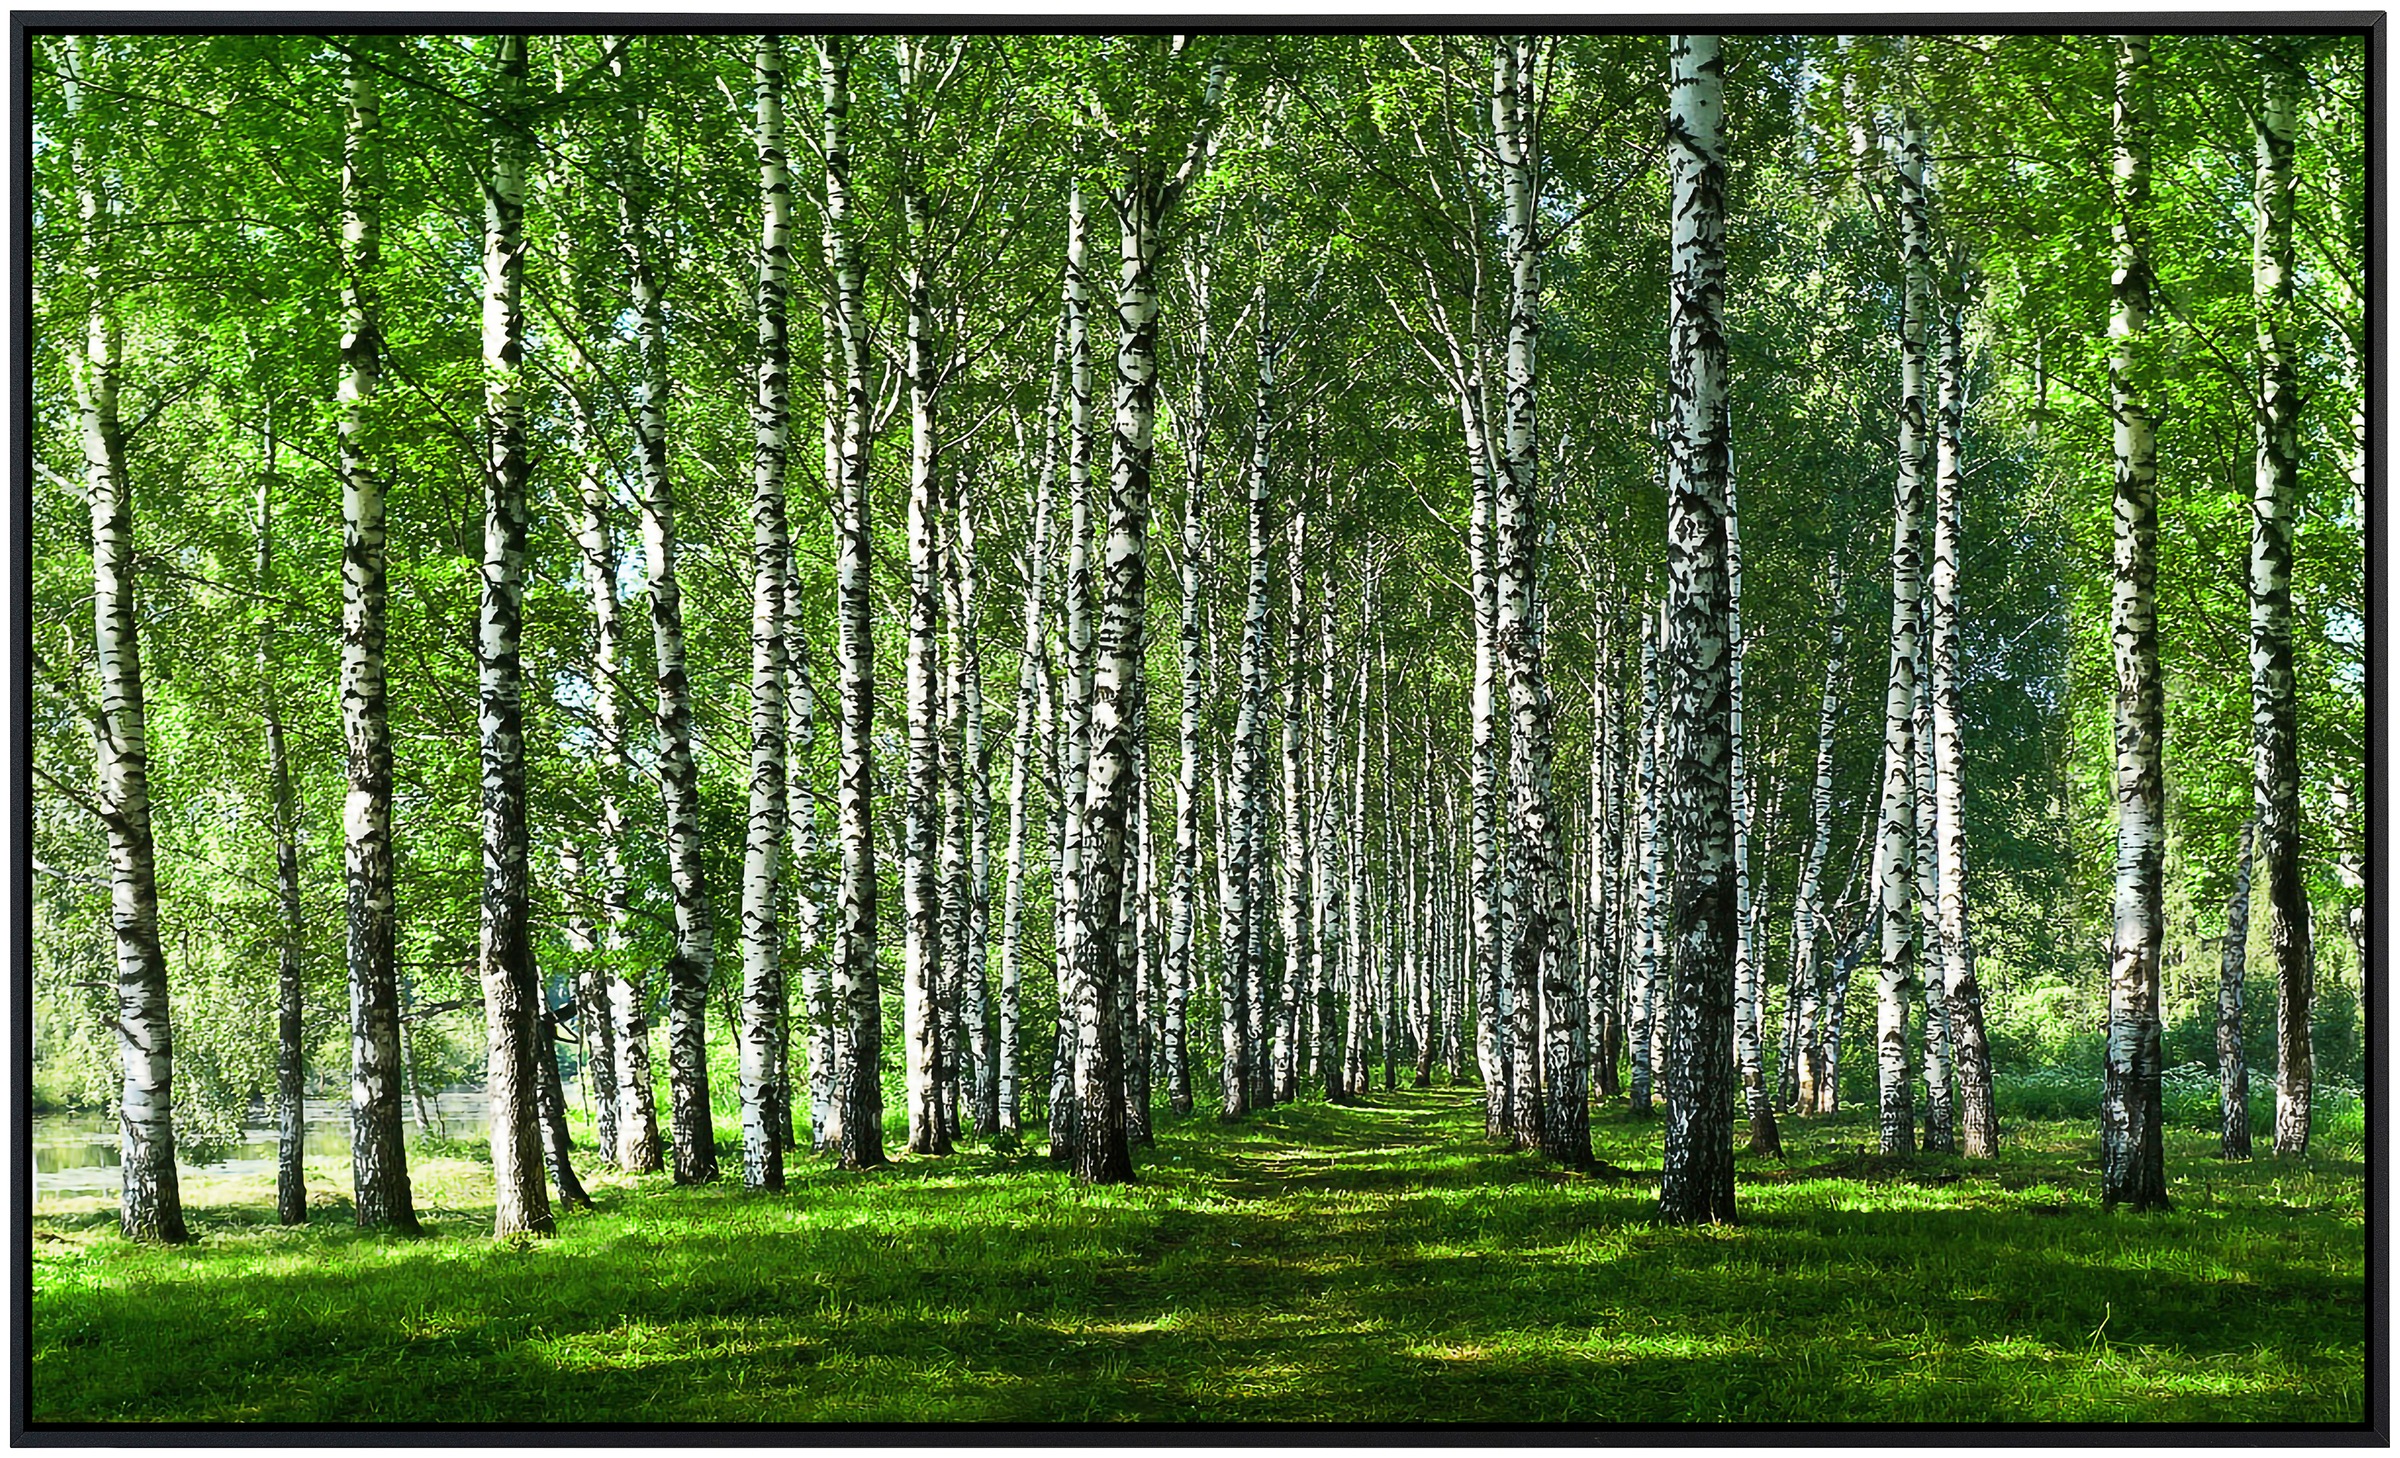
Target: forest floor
{"type": "Point", "coordinates": [1378, 1263]}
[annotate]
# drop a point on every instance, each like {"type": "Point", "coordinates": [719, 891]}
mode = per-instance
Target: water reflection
{"type": "Point", "coordinates": [76, 1152]}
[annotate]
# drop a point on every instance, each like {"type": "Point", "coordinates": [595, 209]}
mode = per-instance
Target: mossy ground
{"type": "Point", "coordinates": [1377, 1263]}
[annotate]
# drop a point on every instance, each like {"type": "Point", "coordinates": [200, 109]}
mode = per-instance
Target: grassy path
{"type": "Point", "coordinates": [1378, 1263]}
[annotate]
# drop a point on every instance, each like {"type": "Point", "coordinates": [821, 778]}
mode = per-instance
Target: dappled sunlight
{"type": "Point", "coordinates": [1339, 1265]}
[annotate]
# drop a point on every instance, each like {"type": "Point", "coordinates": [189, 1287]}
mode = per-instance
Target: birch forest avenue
{"type": "Point", "coordinates": [1166, 643]}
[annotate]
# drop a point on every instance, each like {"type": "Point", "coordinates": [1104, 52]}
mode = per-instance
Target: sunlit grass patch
{"type": "Point", "coordinates": [1379, 1263]}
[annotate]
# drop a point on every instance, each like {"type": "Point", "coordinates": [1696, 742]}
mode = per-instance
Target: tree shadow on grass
{"type": "Point", "coordinates": [1311, 1264]}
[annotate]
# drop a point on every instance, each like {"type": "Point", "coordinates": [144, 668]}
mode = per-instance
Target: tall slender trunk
{"type": "Point", "coordinates": [510, 989]}
{"type": "Point", "coordinates": [976, 769]}
{"type": "Point", "coordinates": [1606, 929]}
{"type": "Point", "coordinates": [594, 973]}
{"type": "Point", "coordinates": [1808, 915]}
{"type": "Point", "coordinates": [1101, 1155]}
{"type": "Point", "coordinates": [1896, 836]}
{"type": "Point", "coordinates": [921, 1000]}
{"type": "Point", "coordinates": [1020, 753]}
{"type": "Point", "coordinates": [763, 1002]}
{"type": "Point", "coordinates": [1295, 862]}
{"type": "Point", "coordinates": [1243, 914]}
{"type": "Point", "coordinates": [1354, 883]}
{"type": "Point", "coordinates": [550, 1108]}
{"type": "Point", "coordinates": [378, 1148]}
{"type": "Point", "coordinates": [1698, 1180]}
{"type": "Point", "coordinates": [1749, 990]}
{"type": "Point", "coordinates": [2132, 1157]}
{"type": "Point", "coordinates": [1940, 1133]}
{"type": "Point", "coordinates": [1183, 893]}
{"type": "Point", "coordinates": [1531, 884]}
{"type": "Point", "coordinates": [1424, 1026]}
{"type": "Point", "coordinates": [954, 1077]}
{"type": "Point", "coordinates": [1075, 709]}
{"type": "Point", "coordinates": [695, 948]}
{"type": "Point", "coordinates": [858, 1097]}
{"type": "Point", "coordinates": [614, 998]}
{"type": "Point", "coordinates": [1599, 861]}
{"type": "Point", "coordinates": [1135, 954]}
{"type": "Point", "coordinates": [2233, 1068]}
{"type": "Point", "coordinates": [291, 1193]}
{"type": "Point", "coordinates": [151, 1202]}
{"type": "Point", "coordinates": [1642, 1020]}
{"type": "Point", "coordinates": [1484, 952]}
{"type": "Point", "coordinates": [819, 1016]}
{"type": "Point", "coordinates": [1978, 1122]}
{"type": "Point", "coordinates": [1394, 934]}
{"type": "Point", "coordinates": [1330, 1067]}
{"type": "Point", "coordinates": [1934, 949]}
{"type": "Point", "coordinates": [2274, 716]}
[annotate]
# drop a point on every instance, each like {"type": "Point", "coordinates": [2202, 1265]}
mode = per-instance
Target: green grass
{"type": "Point", "coordinates": [1378, 1263]}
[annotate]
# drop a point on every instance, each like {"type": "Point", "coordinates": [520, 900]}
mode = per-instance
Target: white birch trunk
{"type": "Point", "coordinates": [378, 1149]}
{"type": "Point", "coordinates": [1294, 863]}
{"type": "Point", "coordinates": [150, 1204]}
{"type": "Point", "coordinates": [1749, 993]}
{"type": "Point", "coordinates": [1244, 916]}
{"type": "Point", "coordinates": [2233, 1067]}
{"type": "Point", "coordinates": [921, 1000]}
{"type": "Point", "coordinates": [1183, 892]}
{"type": "Point", "coordinates": [1020, 756]}
{"type": "Point", "coordinates": [1978, 1122]}
{"type": "Point", "coordinates": [693, 1137]}
{"type": "Point", "coordinates": [763, 1004]}
{"type": "Point", "coordinates": [1698, 1180]}
{"type": "Point", "coordinates": [291, 1194]}
{"type": "Point", "coordinates": [1075, 708]}
{"type": "Point", "coordinates": [2274, 715]}
{"type": "Point", "coordinates": [1327, 864]}
{"type": "Point", "coordinates": [1642, 1023]}
{"type": "Point", "coordinates": [1808, 916]}
{"type": "Point", "coordinates": [510, 989]}
{"type": "Point", "coordinates": [1896, 835]}
{"type": "Point", "coordinates": [2132, 1155]}
{"type": "Point", "coordinates": [858, 1100]}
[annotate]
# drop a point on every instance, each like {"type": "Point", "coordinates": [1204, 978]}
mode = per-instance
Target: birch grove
{"type": "Point", "coordinates": [1333, 676]}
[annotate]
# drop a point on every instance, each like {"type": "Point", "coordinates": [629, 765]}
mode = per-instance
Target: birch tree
{"type": "Point", "coordinates": [1531, 884]}
{"type": "Point", "coordinates": [921, 999]}
{"type": "Point", "coordinates": [687, 969]}
{"type": "Point", "coordinates": [2233, 1068]}
{"type": "Point", "coordinates": [2274, 716]}
{"type": "Point", "coordinates": [1808, 917]}
{"type": "Point", "coordinates": [1978, 1123]}
{"type": "Point", "coordinates": [1896, 833]}
{"type": "Point", "coordinates": [1296, 862]}
{"type": "Point", "coordinates": [1144, 198]}
{"type": "Point", "coordinates": [1075, 722]}
{"type": "Point", "coordinates": [1644, 997]}
{"type": "Point", "coordinates": [763, 1001]}
{"type": "Point", "coordinates": [510, 989]}
{"type": "Point", "coordinates": [150, 1201]}
{"type": "Point", "coordinates": [1183, 890]}
{"type": "Point", "coordinates": [2132, 1156]}
{"type": "Point", "coordinates": [378, 1151]}
{"type": "Point", "coordinates": [620, 1011]}
{"type": "Point", "coordinates": [1246, 962]}
{"type": "Point", "coordinates": [1020, 753]}
{"type": "Point", "coordinates": [858, 1097]}
{"type": "Point", "coordinates": [1749, 992]}
{"type": "Point", "coordinates": [1698, 1182]}
{"type": "Point", "coordinates": [291, 1193]}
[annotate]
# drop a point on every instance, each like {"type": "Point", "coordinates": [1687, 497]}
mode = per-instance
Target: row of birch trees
{"type": "Point", "coordinates": [1254, 594]}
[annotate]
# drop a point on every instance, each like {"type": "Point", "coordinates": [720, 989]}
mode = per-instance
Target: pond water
{"type": "Point", "coordinates": [76, 1152]}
